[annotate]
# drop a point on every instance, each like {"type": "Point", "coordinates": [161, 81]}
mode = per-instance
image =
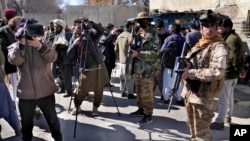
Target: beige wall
{"type": "Point", "coordinates": [2, 7]}
{"type": "Point", "coordinates": [182, 5]}
{"type": "Point", "coordinates": [116, 15]}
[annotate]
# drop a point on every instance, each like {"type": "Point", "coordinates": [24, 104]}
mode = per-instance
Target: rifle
{"type": "Point", "coordinates": [179, 64]}
{"type": "Point", "coordinates": [129, 60]}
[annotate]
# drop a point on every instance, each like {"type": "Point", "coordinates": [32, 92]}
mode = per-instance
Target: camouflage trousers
{"type": "Point", "coordinates": [199, 118]}
{"type": "Point", "coordinates": [144, 91]}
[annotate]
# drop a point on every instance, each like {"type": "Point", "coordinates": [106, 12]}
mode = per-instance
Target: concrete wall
{"type": "Point", "coordinates": [116, 15]}
{"type": "Point", "coordinates": [43, 18]}
{"type": "Point", "coordinates": [2, 7]}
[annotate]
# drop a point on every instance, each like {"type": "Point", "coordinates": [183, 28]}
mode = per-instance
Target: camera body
{"type": "Point", "coordinates": [85, 24]}
{"type": "Point", "coordinates": [31, 29]}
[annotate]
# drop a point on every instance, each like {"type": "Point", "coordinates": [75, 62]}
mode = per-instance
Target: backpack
{"type": "Point", "coordinates": [169, 55]}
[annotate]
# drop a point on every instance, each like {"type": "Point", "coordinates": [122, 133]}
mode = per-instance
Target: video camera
{"type": "Point", "coordinates": [31, 29]}
{"type": "Point", "coordinates": [85, 24]}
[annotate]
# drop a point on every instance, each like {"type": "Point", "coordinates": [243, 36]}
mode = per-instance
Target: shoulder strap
{"type": "Point", "coordinates": [204, 47]}
{"type": "Point", "coordinates": [196, 52]}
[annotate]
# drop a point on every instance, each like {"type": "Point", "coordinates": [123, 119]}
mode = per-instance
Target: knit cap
{"type": "Point", "coordinates": [10, 13]}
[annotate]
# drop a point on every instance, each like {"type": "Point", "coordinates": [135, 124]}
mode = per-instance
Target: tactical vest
{"type": "Point", "coordinates": [202, 88]}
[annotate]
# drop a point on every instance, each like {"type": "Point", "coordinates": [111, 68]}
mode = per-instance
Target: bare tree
{"type": "Point", "coordinates": [98, 2]}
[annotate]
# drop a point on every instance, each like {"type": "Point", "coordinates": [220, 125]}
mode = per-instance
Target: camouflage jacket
{"type": "Point", "coordinates": [206, 76]}
{"type": "Point", "coordinates": [148, 61]}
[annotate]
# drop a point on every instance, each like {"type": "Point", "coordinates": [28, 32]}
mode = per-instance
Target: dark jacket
{"type": "Point", "coordinates": [110, 55]}
{"type": "Point", "coordinates": [89, 53]}
{"type": "Point", "coordinates": [235, 60]}
{"type": "Point", "coordinates": [174, 37]}
{"type": "Point", "coordinates": [7, 38]}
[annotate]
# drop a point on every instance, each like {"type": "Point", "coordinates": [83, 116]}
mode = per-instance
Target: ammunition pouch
{"type": "Point", "coordinates": [194, 85]}
{"type": "Point", "coordinates": [206, 89]}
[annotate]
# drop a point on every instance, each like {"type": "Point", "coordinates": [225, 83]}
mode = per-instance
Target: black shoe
{"type": "Point", "coordinates": [166, 101]}
{"type": "Point", "coordinates": [137, 113]}
{"type": "Point", "coordinates": [227, 120]}
{"type": "Point", "coordinates": [38, 114]}
{"type": "Point", "coordinates": [181, 102]}
{"type": "Point", "coordinates": [124, 94]}
{"type": "Point", "coordinates": [145, 120]}
{"type": "Point", "coordinates": [109, 85]}
{"type": "Point", "coordinates": [217, 126]}
{"type": "Point", "coordinates": [68, 95]}
{"type": "Point", "coordinates": [131, 96]}
{"type": "Point", "coordinates": [60, 91]}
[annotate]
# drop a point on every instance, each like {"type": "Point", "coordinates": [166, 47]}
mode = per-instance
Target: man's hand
{"type": "Point", "coordinates": [77, 41]}
{"type": "Point", "coordinates": [130, 39]}
{"type": "Point", "coordinates": [115, 31]}
{"type": "Point", "coordinates": [35, 42]}
{"type": "Point", "coordinates": [134, 53]}
{"type": "Point", "coordinates": [243, 74]}
{"type": "Point", "coordinates": [184, 74]}
{"type": "Point", "coordinates": [185, 70]}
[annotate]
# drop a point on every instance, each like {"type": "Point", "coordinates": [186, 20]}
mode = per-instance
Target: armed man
{"type": "Point", "coordinates": [204, 77]}
{"type": "Point", "coordinates": [146, 54]}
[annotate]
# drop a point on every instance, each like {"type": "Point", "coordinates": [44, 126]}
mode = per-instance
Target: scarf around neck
{"type": "Point", "coordinates": [203, 41]}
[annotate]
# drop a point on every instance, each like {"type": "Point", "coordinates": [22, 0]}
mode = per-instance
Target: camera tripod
{"type": "Point", "coordinates": [88, 46]}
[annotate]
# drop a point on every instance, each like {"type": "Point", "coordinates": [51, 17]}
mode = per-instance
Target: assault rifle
{"type": "Point", "coordinates": [179, 64]}
{"type": "Point", "coordinates": [129, 60]}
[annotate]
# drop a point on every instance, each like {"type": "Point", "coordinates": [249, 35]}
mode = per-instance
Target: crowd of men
{"type": "Point", "coordinates": [88, 52]}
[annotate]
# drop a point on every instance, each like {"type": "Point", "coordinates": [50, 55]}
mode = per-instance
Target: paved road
{"type": "Point", "coordinates": [109, 126]}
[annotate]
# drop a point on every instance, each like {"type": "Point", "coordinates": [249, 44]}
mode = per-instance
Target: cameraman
{"type": "Point", "coordinates": [93, 74]}
{"type": "Point", "coordinates": [36, 84]}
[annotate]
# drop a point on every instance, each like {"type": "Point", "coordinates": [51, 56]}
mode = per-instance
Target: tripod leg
{"type": "Point", "coordinates": [71, 97]}
{"type": "Point", "coordinates": [77, 108]}
{"type": "Point", "coordinates": [107, 80]}
{"type": "Point", "coordinates": [111, 92]}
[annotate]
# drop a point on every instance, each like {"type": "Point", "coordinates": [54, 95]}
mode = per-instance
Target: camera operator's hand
{"type": "Point", "coordinates": [22, 41]}
{"type": "Point", "coordinates": [35, 42]}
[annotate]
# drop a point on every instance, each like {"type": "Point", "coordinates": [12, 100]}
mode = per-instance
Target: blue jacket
{"type": "Point", "coordinates": [174, 37]}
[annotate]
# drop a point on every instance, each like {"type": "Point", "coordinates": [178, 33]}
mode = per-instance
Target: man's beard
{"type": "Point", "coordinates": [58, 31]}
